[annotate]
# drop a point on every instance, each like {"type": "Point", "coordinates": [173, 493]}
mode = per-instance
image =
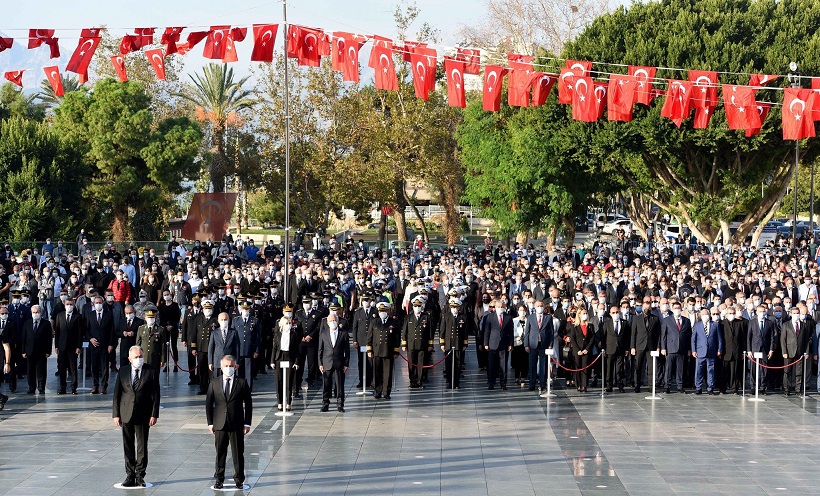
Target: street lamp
{"type": "Point", "coordinates": [794, 79]}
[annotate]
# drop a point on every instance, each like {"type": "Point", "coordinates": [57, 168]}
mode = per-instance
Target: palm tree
{"type": "Point", "coordinates": [218, 100]}
{"type": "Point", "coordinates": [46, 94]}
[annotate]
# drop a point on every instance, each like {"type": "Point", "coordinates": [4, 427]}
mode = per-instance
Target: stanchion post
{"type": "Point", "coordinates": [168, 362]}
{"type": "Point", "coordinates": [655, 354]}
{"type": "Point", "coordinates": [453, 358]}
{"type": "Point", "coordinates": [603, 376]}
{"type": "Point", "coordinates": [363, 363]}
{"type": "Point", "coordinates": [743, 384]}
{"type": "Point", "coordinates": [283, 367]}
{"type": "Point", "coordinates": [549, 353]}
{"type": "Point", "coordinates": [85, 363]}
{"type": "Point", "coordinates": [758, 355]}
{"type": "Point", "coordinates": [805, 356]}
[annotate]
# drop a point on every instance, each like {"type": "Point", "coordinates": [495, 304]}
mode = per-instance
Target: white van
{"type": "Point", "coordinates": [602, 219]}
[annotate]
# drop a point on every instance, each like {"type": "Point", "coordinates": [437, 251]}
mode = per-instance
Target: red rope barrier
{"type": "Point", "coordinates": [425, 366]}
{"type": "Point", "coordinates": [774, 368]}
{"type": "Point", "coordinates": [577, 370]}
{"type": "Point", "coordinates": [176, 364]}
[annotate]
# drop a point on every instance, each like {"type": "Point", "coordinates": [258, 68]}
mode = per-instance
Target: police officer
{"type": "Point", "coordinates": [453, 333]}
{"type": "Point", "coordinates": [202, 338]}
{"type": "Point", "coordinates": [309, 318]}
{"type": "Point", "coordinates": [151, 338]}
{"type": "Point", "coordinates": [382, 346]}
{"type": "Point", "coordinates": [248, 329]}
{"type": "Point", "coordinates": [190, 322]}
{"type": "Point", "coordinates": [361, 317]}
{"type": "Point", "coordinates": [417, 339]}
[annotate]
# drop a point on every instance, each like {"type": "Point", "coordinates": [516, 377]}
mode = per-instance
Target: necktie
{"type": "Point", "coordinates": [500, 321]}
{"type": "Point", "coordinates": [617, 327]}
{"type": "Point", "coordinates": [99, 318]}
{"type": "Point", "coordinates": [227, 387]}
{"type": "Point", "coordinates": [539, 321]}
{"type": "Point", "coordinates": [797, 328]}
{"type": "Point", "coordinates": [333, 335]}
{"type": "Point", "coordinates": [246, 322]}
{"type": "Point", "coordinates": [678, 324]}
{"type": "Point", "coordinates": [136, 378]}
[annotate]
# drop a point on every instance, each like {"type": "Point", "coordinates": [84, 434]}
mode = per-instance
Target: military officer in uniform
{"type": "Point", "coordinates": [453, 334]}
{"type": "Point", "coordinates": [247, 327]}
{"type": "Point", "coordinates": [382, 347]}
{"type": "Point", "coordinates": [204, 327]}
{"type": "Point", "coordinates": [286, 338]}
{"type": "Point", "coordinates": [189, 325]}
{"type": "Point", "coordinates": [417, 339]}
{"type": "Point", "coordinates": [151, 338]}
{"type": "Point", "coordinates": [361, 317]}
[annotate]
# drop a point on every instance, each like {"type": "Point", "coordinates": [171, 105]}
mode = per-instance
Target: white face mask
{"type": "Point", "coordinates": [245, 313]}
{"type": "Point", "coordinates": [4, 317]}
{"type": "Point", "coordinates": [288, 314]}
{"type": "Point", "coordinates": [715, 318]}
{"type": "Point", "coordinates": [539, 310]}
{"type": "Point", "coordinates": [223, 324]}
{"type": "Point", "coordinates": [98, 307]}
{"type": "Point", "coordinates": [306, 306]}
{"type": "Point", "coordinates": [454, 311]}
{"type": "Point", "coordinates": [584, 317]}
{"type": "Point", "coordinates": [333, 325]}
{"type": "Point", "coordinates": [676, 312]}
{"type": "Point", "coordinates": [207, 312]}
{"type": "Point", "coordinates": [137, 362]}
{"type": "Point", "coordinates": [143, 299]}
{"type": "Point", "coordinates": [704, 318]}
{"type": "Point", "coordinates": [150, 320]}
{"type": "Point", "coordinates": [69, 308]}
{"type": "Point", "coordinates": [499, 310]}
{"type": "Point", "coordinates": [228, 371]}
{"type": "Point", "coordinates": [730, 317]}
{"type": "Point", "coordinates": [383, 315]}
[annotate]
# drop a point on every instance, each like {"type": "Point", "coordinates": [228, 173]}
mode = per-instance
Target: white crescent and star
{"type": "Point", "coordinates": [703, 87]}
{"type": "Point", "coordinates": [581, 94]}
{"type": "Point", "coordinates": [578, 65]}
{"type": "Point", "coordinates": [352, 54]}
{"type": "Point", "coordinates": [797, 116]}
{"type": "Point", "coordinates": [564, 76]}
{"type": "Point", "coordinates": [221, 34]}
{"type": "Point", "coordinates": [158, 58]}
{"type": "Point", "coordinates": [315, 41]}
{"type": "Point", "coordinates": [421, 69]}
{"type": "Point", "coordinates": [603, 90]}
{"type": "Point", "coordinates": [386, 59]}
{"type": "Point", "coordinates": [492, 78]}
{"type": "Point", "coordinates": [269, 34]}
{"type": "Point", "coordinates": [645, 79]}
{"type": "Point", "coordinates": [83, 48]}
{"type": "Point", "coordinates": [459, 80]}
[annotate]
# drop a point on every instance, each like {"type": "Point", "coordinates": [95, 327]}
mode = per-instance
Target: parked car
{"type": "Point", "coordinates": [624, 224]}
{"type": "Point", "coordinates": [603, 219]}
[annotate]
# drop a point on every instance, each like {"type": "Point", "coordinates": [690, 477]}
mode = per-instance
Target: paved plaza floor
{"type": "Point", "coordinates": [431, 441]}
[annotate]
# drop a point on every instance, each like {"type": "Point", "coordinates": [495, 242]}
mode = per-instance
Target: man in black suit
{"type": "Point", "coordinates": [498, 342]}
{"type": "Point", "coordinates": [539, 335]}
{"type": "Point", "coordinates": [99, 323]}
{"type": "Point", "coordinates": [761, 337]}
{"type": "Point", "coordinates": [7, 332]}
{"type": "Point", "coordinates": [36, 349]}
{"type": "Point", "coordinates": [616, 343]}
{"type": "Point", "coordinates": [68, 341]}
{"type": "Point", "coordinates": [229, 409]}
{"type": "Point", "coordinates": [334, 358]}
{"type": "Point", "coordinates": [136, 409]}
{"type": "Point", "coordinates": [795, 341]}
{"type": "Point", "coordinates": [646, 334]}
{"type": "Point", "coordinates": [128, 332]}
{"type": "Point", "coordinates": [676, 340]}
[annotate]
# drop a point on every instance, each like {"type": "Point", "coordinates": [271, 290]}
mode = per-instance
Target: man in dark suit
{"type": "Point", "coordinates": [761, 338]}
{"type": "Point", "coordinates": [646, 337]}
{"type": "Point", "coordinates": [224, 341]}
{"type": "Point", "coordinates": [360, 319]}
{"type": "Point", "coordinates": [36, 349]}
{"type": "Point", "coordinates": [498, 343]}
{"type": "Point", "coordinates": [676, 332]}
{"type": "Point", "coordinates": [229, 409]}
{"type": "Point", "coordinates": [68, 341]}
{"type": "Point", "coordinates": [248, 329]}
{"type": "Point", "coordinates": [190, 323]}
{"type": "Point", "coordinates": [734, 341]}
{"type": "Point", "coordinates": [616, 344]}
{"type": "Point", "coordinates": [334, 358]}
{"type": "Point", "coordinates": [136, 409]}
{"type": "Point", "coordinates": [99, 323]}
{"type": "Point", "coordinates": [128, 332]}
{"type": "Point", "coordinates": [7, 333]}
{"type": "Point", "coordinates": [795, 340]}
{"type": "Point", "coordinates": [539, 335]}
{"type": "Point", "coordinates": [707, 346]}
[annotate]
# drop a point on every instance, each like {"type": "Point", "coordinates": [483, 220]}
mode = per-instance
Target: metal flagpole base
{"type": "Point", "coordinates": [549, 394]}
{"type": "Point", "coordinates": [654, 354]}
{"type": "Point", "coordinates": [85, 364]}
{"type": "Point", "coordinates": [758, 355]}
{"type": "Point", "coordinates": [284, 366]}
{"type": "Point", "coordinates": [363, 392]}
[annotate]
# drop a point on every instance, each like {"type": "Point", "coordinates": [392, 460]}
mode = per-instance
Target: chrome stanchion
{"type": "Point", "coordinates": [549, 394]}
{"type": "Point", "coordinates": [758, 355]}
{"type": "Point", "coordinates": [363, 350]}
{"type": "Point", "coordinates": [603, 376]}
{"type": "Point", "coordinates": [284, 366]}
{"type": "Point", "coordinates": [654, 354]}
{"type": "Point", "coordinates": [85, 363]}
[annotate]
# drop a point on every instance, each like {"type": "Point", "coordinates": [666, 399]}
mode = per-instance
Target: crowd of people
{"type": "Point", "coordinates": [706, 310]}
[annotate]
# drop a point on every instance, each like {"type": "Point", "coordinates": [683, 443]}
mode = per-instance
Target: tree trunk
{"type": "Point", "coordinates": [398, 214]}
{"type": "Point", "coordinates": [569, 225]}
{"type": "Point", "coordinates": [552, 232]}
{"type": "Point", "coordinates": [382, 226]}
{"type": "Point", "coordinates": [452, 222]}
{"type": "Point", "coordinates": [217, 167]}
{"type": "Point", "coordinates": [418, 214]}
{"type": "Point", "coordinates": [119, 228]}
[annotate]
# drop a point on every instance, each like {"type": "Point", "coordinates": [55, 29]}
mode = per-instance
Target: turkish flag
{"type": "Point", "coordinates": [763, 111]}
{"type": "Point", "coordinates": [36, 37]}
{"type": "Point", "coordinates": [157, 60]}
{"type": "Point", "coordinates": [815, 86]}
{"type": "Point", "coordinates": [798, 122]}
{"type": "Point", "coordinates": [219, 43]}
{"type": "Point", "coordinates": [6, 43]}
{"type": "Point", "coordinates": [741, 107]}
{"type": "Point", "coordinates": [599, 93]}
{"type": "Point", "coordinates": [234, 35]}
{"type": "Point", "coordinates": [517, 57]}
{"type": "Point", "coordinates": [78, 64]}
{"type": "Point", "coordinates": [704, 96]}
{"type": "Point", "coordinates": [519, 83]}
{"type": "Point", "coordinates": [454, 70]}
{"type": "Point", "coordinates": [541, 87]}
{"type": "Point", "coordinates": [762, 79]}
{"type": "Point", "coordinates": [423, 63]}
{"type": "Point", "coordinates": [471, 58]}
{"type": "Point", "coordinates": [15, 77]}
{"type": "Point", "coordinates": [644, 77]}
{"type": "Point", "coordinates": [54, 79]}
{"type": "Point", "coordinates": [304, 45]}
{"type": "Point", "coordinates": [408, 49]}
{"type": "Point", "coordinates": [621, 97]}
{"type": "Point", "coordinates": [493, 82]}
{"type": "Point", "coordinates": [565, 85]}
{"type": "Point", "coordinates": [193, 39]}
{"type": "Point", "coordinates": [130, 43]}
{"type": "Point", "coordinates": [381, 60]}
{"type": "Point", "coordinates": [264, 35]}
{"type": "Point", "coordinates": [146, 36]}
{"type": "Point", "coordinates": [345, 54]}
{"type": "Point", "coordinates": [584, 106]}
{"type": "Point", "coordinates": [581, 67]}
{"type": "Point", "coordinates": [119, 67]}
{"type": "Point", "coordinates": [677, 105]}
{"type": "Point", "coordinates": [171, 37]}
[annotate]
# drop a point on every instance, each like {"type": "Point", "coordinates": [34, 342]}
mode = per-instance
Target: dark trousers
{"type": "Point", "coordinates": [237, 441]}
{"type": "Point", "coordinates": [307, 356]}
{"type": "Point", "coordinates": [280, 384]}
{"type": "Point", "coordinates": [731, 374]}
{"type": "Point", "coordinates": [455, 359]}
{"type": "Point", "coordinates": [416, 357]}
{"type": "Point", "coordinates": [537, 366]}
{"type": "Point", "coordinates": [640, 366]}
{"type": "Point", "coordinates": [792, 376]}
{"type": "Point", "coordinates": [382, 375]}
{"type": "Point", "coordinates": [674, 369]}
{"type": "Point", "coordinates": [191, 365]}
{"type": "Point", "coordinates": [246, 370]}
{"type": "Point", "coordinates": [582, 377]}
{"type": "Point", "coordinates": [67, 363]}
{"type": "Point", "coordinates": [661, 379]}
{"type": "Point", "coordinates": [615, 370]}
{"type": "Point", "coordinates": [362, 361]}
{"type": "Point", "coordinates": [174, 337]}
{"type": "Point", "coordinates": [497, 367]}
{"type": "Point", "coordinates": [99, 365]}
{"type": "Point", "coordinates": [330, 378]}
{"type": "Point", "coordinates": [36, 372]}
{"type": "Point", "coordinates": [12, 375]}
{"type": "Point", "coordinates": [428, 360]}
{"type": "Point", "coordinates": [203, 371]}
{"type": "Point", "coordinates": [136, 457]}
{"type": "Point", "coordinates": [112, 359]}
{"type": "Point", "coordinates": [481, 354]}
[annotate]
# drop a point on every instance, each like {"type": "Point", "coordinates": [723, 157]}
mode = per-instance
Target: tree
{"type": "Point", "coordinates": [46, 94]}
{"type": "Point", "coordinates": [704, 177]}
{"type": "Point", "coordinates": [219, 102]}
{"type": "Point", "coordinates": [14, 103]}
{"type": "Point", "coordinates": [138, 163]}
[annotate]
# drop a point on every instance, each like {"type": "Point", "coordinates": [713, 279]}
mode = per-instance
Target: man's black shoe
{"type": "Point", "coordinates": [129, 481]}
{"type": "Point", "coordinates": [3, 400]}
{"type": "Point", "coordinates": [377, 396]}
{"type": "Point", "coordinates": [30, 391]}
{"type": "Point", "coordinates": [504, 387]}
{"type": "Point", "coordinates": [193, 383]}
{"type": "Point", "coordinates": [531, 389]}
{"type": "Point", "coordinates": [324, 408]}
{"type": "Point", "coordinates": [239, 485]}
{"type": "Point", "coordinates": [95, 391]}
{"type": "Point", "coordinates": [667, 391]}
{"type": "Point", "coordinates": [200, 393]}
{"type": "Point", "coordinates": [637, 389]}
{"type": "Point", "coordinates": [490, 387]}
{"type": "Point", "coordinates": [218, 485]}
{"type": "Point", "coordinates": [621, 389]}
{"type": "Point", "coordinates": [341, 409]}
{"type": "Point", "coordinates": [609, 390]}
{"type": "Point", "coordinates": [359, 385]}
{"type": "Point", "coordinates": [698, 392]}
{"type": "Point", "coordinates": [387, 396]}
{"type": "Point", "coordinates": [73, 391]}
{"type": "Point", "coordinates": [140, 482]}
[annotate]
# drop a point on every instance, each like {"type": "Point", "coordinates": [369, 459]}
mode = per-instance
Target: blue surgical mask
{"type": "Point", "coordinates": [638, 308]}
{"type": "Point", "coordinates": [778, 315]}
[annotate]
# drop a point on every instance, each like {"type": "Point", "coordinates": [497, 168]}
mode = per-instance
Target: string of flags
{"type": "Point", "coordinates": [590, 97]}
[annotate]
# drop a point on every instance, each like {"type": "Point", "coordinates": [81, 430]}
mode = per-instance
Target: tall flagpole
{"type": "Point", "coordinates": [286, 278]}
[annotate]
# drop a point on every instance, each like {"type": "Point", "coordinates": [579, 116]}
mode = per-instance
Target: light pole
{"type": "Point", "coordinates": [794, 79]}
{"type": "Point", "coordinates": [286, 278]}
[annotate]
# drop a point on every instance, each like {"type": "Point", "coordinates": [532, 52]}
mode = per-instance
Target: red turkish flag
{"type": "Point", "coordinates": [762, 79]}
{"type": "Point", "coordinates": [6, 43]}
{"type": "Point", "coordinates": [763, 111]}
{"type": "Point", "coordinates": [599, 94]}
{"type": "Point", "coordinates": [193, 39]}
{"type": "Point", "coordinates": [408, 49]}
{"type": "Point", "coordinates": [565, 85]}
{"type": "Point", "coordinates": [581, 67]}
{"type": "Point", "coordinates": [234, 35]}
{"type": "Point", "coordinates": [584, 106]}
{"type": "Point", "coordinates": [304, 45]}
{"type": "Point", "coordinates": [381, 60]}
{"type": "Point", "coordinates": [704, 96]}
{"type": "Point", "coordinates": [264, 35]}
{"type": "Point", "coordinates": [471, 58]}
{"type": "Point", "coordinates": [677, 105]}
{"type": "Point", "coordinates": [644, 77]}
{"type": "Point", "coordinates": [423, 63]}
{"type": "Point", "coordinates": [78, 64]}
{"type": "Point", "coordinates": [36, 37]}
{"type": "Point", "coordinates": [118, 61]}
{"type": "Point", "coordinates": [220, 43]}
{"type": "Point", "coordinates": [519, 83]}
{"type": "Point", "coordinates": [541, 87]}
{"type": "Point", "coordinates": [493, 82]}
{"type": "Point", "coordinates": [15, 77]}
{"type": "Point", "coordinates": [621, 97]}
{"type": "Point", "coordinates": [798, 122]}
{"type": "Point", "coordinates": [130, 43]}
{"type": "Point", "coordinates": [54, 79]}
{"type": "Point", "coordinates": [345, 54]}
{"type": "Point", "coordinates": [741, 107]}
{"type": "Point", "coordinates": [815, 86]}
{"type": "Point", "coordinates": [157, 60]}
{"type": "Point", "coordinates": [146, 36]}
{"type": "Point", "coordinates": [454, 70]}
{"type": "Point", "coordinates": [517, 57]}
{"type": "Point", "coordinates": [171, 37]}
